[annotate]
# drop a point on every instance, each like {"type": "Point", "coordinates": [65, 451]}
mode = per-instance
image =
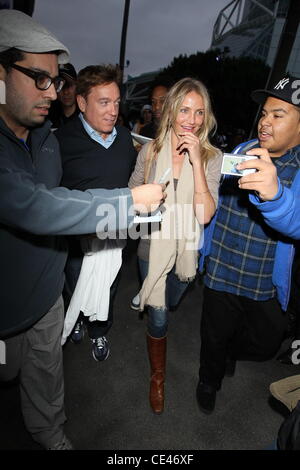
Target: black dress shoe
{"type": "Point", "coordinates": [206, 397]}
{"type": "Point", "coordinates": [230, 368]}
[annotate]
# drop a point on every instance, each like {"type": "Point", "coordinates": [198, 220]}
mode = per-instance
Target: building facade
{"type": "Point", "coordinates": [253, 28]}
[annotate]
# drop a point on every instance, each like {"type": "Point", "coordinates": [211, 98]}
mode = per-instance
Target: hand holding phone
{"type": "Point", "coordinates": [231, 160]}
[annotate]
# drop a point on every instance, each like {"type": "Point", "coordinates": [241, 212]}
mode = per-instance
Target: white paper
{"type": "Point", "coordinates": [141, 139]}
{"type": "Point", "coordinates": [142, 219]}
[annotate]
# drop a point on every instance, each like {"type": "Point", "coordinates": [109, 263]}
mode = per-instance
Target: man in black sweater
{"type": "Point", "coordinates": [95, 153]}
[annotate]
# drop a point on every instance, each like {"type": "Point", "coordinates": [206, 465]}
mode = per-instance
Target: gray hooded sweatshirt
{"type": "Point", "coordinates": [35, 214]}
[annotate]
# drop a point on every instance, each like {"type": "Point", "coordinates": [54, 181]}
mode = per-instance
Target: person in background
{"type": "Point", "coordinates": [158, 95]}
{"type": "Point", "coordinates": [65, 107]}
{"type": "Point", "coordinates": [167, 260]}
{"type": "Point", "coordinates": [146, 117]}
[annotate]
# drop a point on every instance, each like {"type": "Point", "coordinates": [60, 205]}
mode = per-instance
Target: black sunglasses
{"type": "Point", "coordinates": [42, 80]}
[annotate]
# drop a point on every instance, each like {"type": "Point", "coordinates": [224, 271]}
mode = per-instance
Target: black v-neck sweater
{"type": "Point", "coordinates": [88, 165]}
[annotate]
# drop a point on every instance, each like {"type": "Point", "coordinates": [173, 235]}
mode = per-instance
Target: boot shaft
{"type": "Point", "coordinates": [157, 348]}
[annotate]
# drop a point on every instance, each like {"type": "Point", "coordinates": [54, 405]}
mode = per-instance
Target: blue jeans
{"type": "Point", "coordinates": [158, 318]}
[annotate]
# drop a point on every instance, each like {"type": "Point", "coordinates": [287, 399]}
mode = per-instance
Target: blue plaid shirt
{"type": "Point", "coordinates": [243, 245]}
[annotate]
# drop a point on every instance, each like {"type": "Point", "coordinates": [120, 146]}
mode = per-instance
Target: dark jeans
{"type": "Point", "coordinates": [294, 303]}
{"type": "Point", "coordinates": [236, 327]}
{"type": "Point", "coordinates": [72, 271]}
{"type": "Point", "coordinates": [158, 318]}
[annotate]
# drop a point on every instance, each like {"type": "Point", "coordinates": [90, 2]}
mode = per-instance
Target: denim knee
{"type": "Point", "coordinates": [157, 322]}
{"type": "Point", "coordinates": [143, 268]}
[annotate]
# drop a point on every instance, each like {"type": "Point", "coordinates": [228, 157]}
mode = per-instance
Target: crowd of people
{"type": "Point", "coordinates": [64, 220]}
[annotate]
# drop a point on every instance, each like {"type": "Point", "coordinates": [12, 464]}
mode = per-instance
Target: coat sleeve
{"type": "Point", "coordinates": [34, 208]}
{"type": "Point", "coordinates": [282, 213]}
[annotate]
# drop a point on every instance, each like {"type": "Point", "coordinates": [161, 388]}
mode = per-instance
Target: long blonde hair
{"type": "Point", "coordinates": [170, 111]}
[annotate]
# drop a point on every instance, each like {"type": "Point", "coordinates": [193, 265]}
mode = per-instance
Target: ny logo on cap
{"type": "Point", "coordinates": [281, 84]}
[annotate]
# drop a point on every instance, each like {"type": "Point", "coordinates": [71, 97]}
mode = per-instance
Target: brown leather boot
{"type": "Point", "coordinates": [157, 348]}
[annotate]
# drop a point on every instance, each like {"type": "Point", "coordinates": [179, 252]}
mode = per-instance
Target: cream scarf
{"type": "Point", "coordinates": [177, 241]}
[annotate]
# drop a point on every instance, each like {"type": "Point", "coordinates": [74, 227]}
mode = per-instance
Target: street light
{"type": "Point", "coordinates": [123, 37]}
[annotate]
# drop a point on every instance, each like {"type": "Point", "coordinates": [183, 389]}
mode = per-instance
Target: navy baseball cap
{"type": "Point", "coordinates": [286, 89]}
{"type": "Point", "coordinates": [68, 71]}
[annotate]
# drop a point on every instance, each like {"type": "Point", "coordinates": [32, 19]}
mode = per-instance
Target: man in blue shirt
{"type": "Point", "coordinates": [242, 316]}
{"type": "Point", "coordinates": [95, 153]}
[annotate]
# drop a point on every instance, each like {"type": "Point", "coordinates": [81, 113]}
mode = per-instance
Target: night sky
{"type": "Point", "coordinates": [158, 30]}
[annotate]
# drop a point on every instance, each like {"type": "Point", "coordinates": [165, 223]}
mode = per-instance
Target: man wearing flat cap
{"type": "Point", "coordinates": [248, 263]}
{"type": "Point", "coordinates": [34, 215]}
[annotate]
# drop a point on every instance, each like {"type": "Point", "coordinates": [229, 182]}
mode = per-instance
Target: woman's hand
{"type": "Point", "coordinates": [188, 142]}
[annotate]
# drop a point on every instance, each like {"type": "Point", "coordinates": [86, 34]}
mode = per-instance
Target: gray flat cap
{"type": "Point", "coordinates": [22, 32]}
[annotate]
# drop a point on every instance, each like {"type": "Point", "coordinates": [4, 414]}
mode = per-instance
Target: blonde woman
{"type": "Point", "coordinates": [168, 258]}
